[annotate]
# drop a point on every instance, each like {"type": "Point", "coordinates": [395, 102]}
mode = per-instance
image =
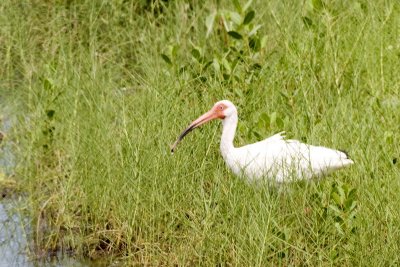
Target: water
{"type": "Point", "coordinates": [14, 227]}
{"type": "Point", "coordinates": [14, 241]}
{"type": "Point", "coordinates": [12, 237]}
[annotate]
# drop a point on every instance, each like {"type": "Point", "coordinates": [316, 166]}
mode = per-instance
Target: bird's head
{"type": "Point", "coordinates": [221, 110]}
{"type": "Point", "coordinates": [224, 108]}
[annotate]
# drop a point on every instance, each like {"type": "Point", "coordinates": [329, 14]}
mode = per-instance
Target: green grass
{"type": "Point", "coordinates": [97, 107]}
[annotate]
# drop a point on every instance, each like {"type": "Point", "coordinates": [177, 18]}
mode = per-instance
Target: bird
{"type": "Point", "coordinates": [273, 159]}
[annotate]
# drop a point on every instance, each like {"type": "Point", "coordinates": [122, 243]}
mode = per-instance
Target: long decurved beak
{"type": "Point", "coordinates": [210, 115]}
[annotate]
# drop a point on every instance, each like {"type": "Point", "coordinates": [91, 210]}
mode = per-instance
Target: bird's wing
{"type": "Point", "coordinates": [273, 147]}
{"type": "Point", "coordinates": [283, 156]}
{"type": "Point", "coordinates": [292, 147]}
{"type": "Point", "coordinates": [276, 137]}
{"type": "Point", "coordinates": [271, 157]}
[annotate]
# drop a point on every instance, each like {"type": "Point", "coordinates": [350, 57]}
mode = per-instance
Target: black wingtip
{"type": "Point", "coordinates": [345, 152]}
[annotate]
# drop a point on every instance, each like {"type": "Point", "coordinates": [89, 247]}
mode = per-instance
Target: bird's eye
{"type": "Point", "coordinates": [220, 107]}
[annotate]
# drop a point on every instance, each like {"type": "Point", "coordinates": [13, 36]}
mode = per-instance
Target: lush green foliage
{"type": "Point", "coordinates": [104, 87]}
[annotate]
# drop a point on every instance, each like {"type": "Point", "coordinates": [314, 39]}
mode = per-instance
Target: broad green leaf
{"type": "Point", "coordinates": [284, 95]}
{"type": "Point", "coordinates": [255, 30]}
{"type": "Point", "coordinates": [237, 6]}
{"type": "Point", "coordinates": [249, 17]}
{"type": "Point", "coordinates": [352, 194]}
{"type": "Point", "coordinates": [388, 136]}
{"type": "Point", "coordinates": [254, 44]}
{"type": "Point", "coordinates": [183, 69]}
{"type": "Point", "coordinates": [247, 5]}
{"type": "Point", "coordinates": [203, 79]}
{"type": "Point", "coordinates": [210, 22]}
{"type": "Point", "coordinates": [256, 134]}
{"type": "Point", "coordinates": [345, 188]}
{"type": "Point", "coordinates": [335, 209]}
{"type": "Point", "coordinates": [238, 92]}
{"type": "Point", "coordinates": [307, 21]}
{"type": "Point", "coordinates": [263, 121]}
{"type": "Point", "coordinates": [216, 66]}
{"type": "Point", "coordinates": [317, 5]}
{"type": "Point", "coordinates": [349, 204]}
{"type": "Point", "coordinates": [339, 228]}
{"type": "Point", "coordinates": [352, 213]}
{"type": "Point", "coordinates": [235, 35]}
{"type": "Point", "coordinates": [273, 117]}
{"type": "Point", "coordinates": [50, 113]}
{"type": "Point", "coordinates": [205, 66]}
{"type": "Point", "coordinates": [47, 84]}
{"type": "Point", "coordinates": [264, 117]}
{"type": "Point", "coordinates": [234, 63]}
{"type": "Point", "coordinates": [166, 59]}
{"type": "Point", "coordinates": [196, 54]}
{"type": "Point", "coordinates": [264, 42]}
{"type": "Point", "coordinates": [280, 123]}
{"type": "Point", "coordinates": [341, 194]}
{"type": "Point", "coordinates": [248, 79]}
{"type": "Point", "coordinates": [256, 66]}
{"type": "Point", "coordinates": [235, 17]}
{"type": "Point", "coordinates": [334, 254]}
{"type": "Point", "coordinates": [227, 66]}
{"type": "Point", "coordinates": [286, 121]}
{"type": "Point", "coordinates": [336, 198]}
{"type": "Point", "coordinates": [173, 51]}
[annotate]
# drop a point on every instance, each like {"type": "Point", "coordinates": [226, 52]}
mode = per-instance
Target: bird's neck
{"type": "Point", "coordinates": [228, 134]}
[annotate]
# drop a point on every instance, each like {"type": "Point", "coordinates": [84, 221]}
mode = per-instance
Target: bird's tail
{"type": "Point", "coordinates": [340, 162]}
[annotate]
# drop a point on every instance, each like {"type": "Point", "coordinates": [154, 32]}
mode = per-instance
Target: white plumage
{"type": "Point", "coordinates": [273, 158]}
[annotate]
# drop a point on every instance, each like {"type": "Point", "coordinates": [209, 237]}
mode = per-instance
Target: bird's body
{"type": "Point", "coordinates": [273, 158]}
{"type": "Point", "coordinates": [282, 159]}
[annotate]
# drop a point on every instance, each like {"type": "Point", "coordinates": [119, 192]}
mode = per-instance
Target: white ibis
{"type": "Point", "coordinates": [273, 158]}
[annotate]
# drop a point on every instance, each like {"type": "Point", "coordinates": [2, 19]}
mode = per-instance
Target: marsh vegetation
{"type": "Point", "coordinates": [101, 89]}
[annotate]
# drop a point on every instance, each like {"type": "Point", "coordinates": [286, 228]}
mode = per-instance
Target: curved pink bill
{"type": "Point", "coordinates": [210, 115]}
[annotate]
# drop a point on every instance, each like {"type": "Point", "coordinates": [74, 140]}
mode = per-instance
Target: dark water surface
{"type": "Point", "coordinates": [14, 227]}
{"type": "Point", "coordinates": [12, 237]}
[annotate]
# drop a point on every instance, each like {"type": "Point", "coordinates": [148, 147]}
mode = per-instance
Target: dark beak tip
{"type": "Point", "coordinates": [172, 148]}
{"type": "Point", "coordinates": [183, 134]}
